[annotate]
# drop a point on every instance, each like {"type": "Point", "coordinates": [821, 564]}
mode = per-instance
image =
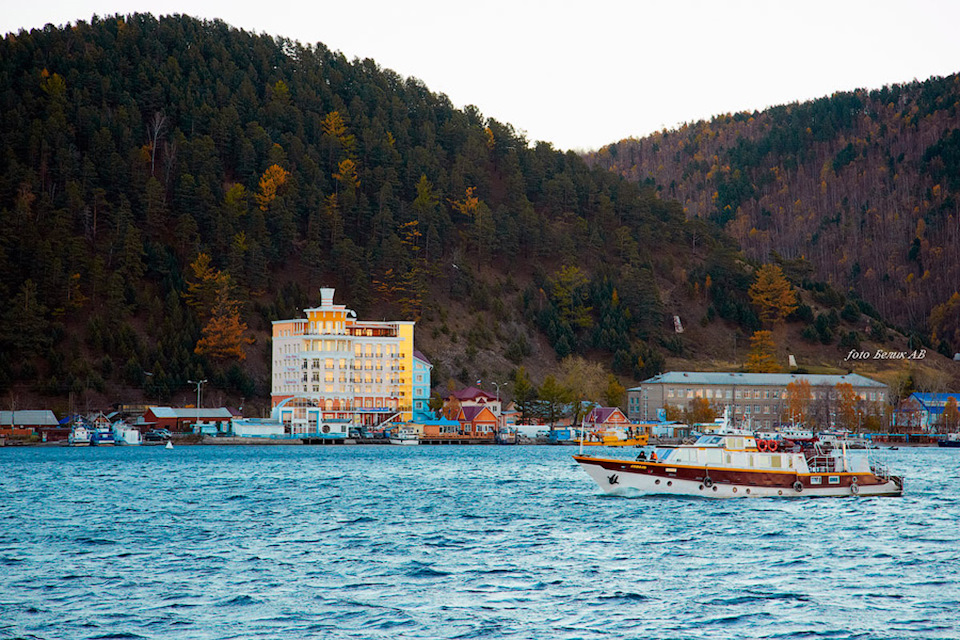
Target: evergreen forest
{"type": "Point", "coordinates": [170, 186]}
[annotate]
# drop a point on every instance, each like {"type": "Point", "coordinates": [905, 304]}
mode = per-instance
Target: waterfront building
{"type": "Point", "coordinates": [33, 419]}
{"type": "Point", "coordinates": [421, 388]}
{"type": "Point", "coordinates": [760, 397]}
{"type": "Point", "coordinates": [477, 422]}
{"type": "Point", "coordinates": [924, 412]}
{"type": "Point", "coordinates": [188, 420]}
{"type": "Point", "coordinates": [329, 368]}
{"type": "Point", "coordinates": [26, 423]}
{"type": "Point", "coordinates": [605, 418]}
{"type": "Point", "coordinates": [470, 397]}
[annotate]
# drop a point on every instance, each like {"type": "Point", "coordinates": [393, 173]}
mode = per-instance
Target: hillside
{"type": "Point", "coordinates": [163, 179]}
{"type": "Point", "coordinates": [170, 186]}
{"type": "Point", "coordinates": [863, 185]}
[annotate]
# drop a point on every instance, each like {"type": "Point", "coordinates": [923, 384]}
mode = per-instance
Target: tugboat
{"type": "Point", "coordinates": [743, 466]}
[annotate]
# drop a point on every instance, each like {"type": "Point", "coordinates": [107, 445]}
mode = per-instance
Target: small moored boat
{"type": "Point", "coordinates": [741, 466]}
{"type": "Point", "coordinates": [80, 435]}
{"type": "Point", "coordinates": [405, 435]}
{"type": "Point", "coordinates": [951, 440]}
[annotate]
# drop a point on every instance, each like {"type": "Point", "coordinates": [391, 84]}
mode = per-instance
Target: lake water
{"type": "Point", "coordinates": [288, 542]}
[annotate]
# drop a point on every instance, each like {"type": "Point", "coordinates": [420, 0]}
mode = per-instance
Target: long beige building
{"type": "Point", "coordinates": [761, 397]}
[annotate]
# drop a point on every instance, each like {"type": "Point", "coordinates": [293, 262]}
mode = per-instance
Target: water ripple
{"type": "Point", "coordinates": [454, 542]}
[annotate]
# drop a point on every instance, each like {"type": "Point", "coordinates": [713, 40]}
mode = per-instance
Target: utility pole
{"type": "Point", "coordinates": [199, 384]}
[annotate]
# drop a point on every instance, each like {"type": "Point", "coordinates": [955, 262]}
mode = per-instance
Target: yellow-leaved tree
{"type": "Point", "coordinates": [799, 397]}
{"type": "Point", "coordinates": [223, 337]}
{"type": "Point", "coordinates": [772, 294]}
{"type": "Point", "coordinates": [270, 182]}
{"type": "Point", "coordinates": [848, 406]}
{"type": "Point", "coordinates": [762, 356]}
{"type": "Point", "coordinates": [211, 293]}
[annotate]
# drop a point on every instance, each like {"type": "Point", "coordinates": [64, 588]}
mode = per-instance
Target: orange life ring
{"type": "Point", "coordinates": [772, 445]}
{"type": "Point", "coordinates": [761, 445]}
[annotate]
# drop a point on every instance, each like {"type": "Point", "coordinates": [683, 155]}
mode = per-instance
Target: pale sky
{"type": "Point", "coordinates": [585, 74]}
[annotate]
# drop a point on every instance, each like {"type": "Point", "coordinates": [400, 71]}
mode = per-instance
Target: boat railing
{"type": "Point", "coordinates": [880, 470]}
{"type": "Point", "coordinates": [822, 464]}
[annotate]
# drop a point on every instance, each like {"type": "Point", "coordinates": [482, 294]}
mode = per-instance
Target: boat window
{"type": "Point", "coordinates": [729, 459]}
{"type": "Point", "coordinates": [816, 480]}
{"type": "Point", "coordinates": [775, 461]}
{"type": "Point", "coordinates": [834, 479]}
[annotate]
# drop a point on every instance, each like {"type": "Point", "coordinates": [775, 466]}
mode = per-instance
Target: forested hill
{"type": "Point", "coordinates": [170, 186]}
{"type": "Point", "coordinates": [864, 185]}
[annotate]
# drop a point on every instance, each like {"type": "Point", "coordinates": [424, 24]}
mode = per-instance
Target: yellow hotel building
{"type": "Point", "coordinates": [330, 368]}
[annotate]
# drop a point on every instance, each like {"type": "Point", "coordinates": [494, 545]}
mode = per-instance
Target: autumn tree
{"type": "Point", "coordinates": [951, 415]}
{"type": "Point", "coordinates": [569, 294]}
{"type": "Point", "coordinates": [474, 208]}
{"type": "Point", "coordinates": [614, 393]}
{"type": "Point", "coordinates": [335, 126]}
{"type": "Point", "coordinates": [223, 336]}
{"type": "Point", "coordinates": [772, 294]}
{"type": "Point", "coordinates": [202, 288]}
{"type": "Point", "coordinates": [799, 397]}
{"type": "Point", "coordinates": [270, 183]}
{"type": "Point", "coordinates": [585, 381]}
{"type": "Point", "coordinates": [762, 356]}
{"type": "Point", "coordinates": [848, 406]}
{"type": "Point", "coordinates": [699, 411]}
{"type": "Point", "coordinates": [211, 293]}
{"type": "Point", "coordinates": [945, 321]}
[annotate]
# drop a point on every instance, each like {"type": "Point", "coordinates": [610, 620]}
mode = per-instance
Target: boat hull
{"type": "Point", "coordinates": [405, 441]}
{"type": "Point", "coordinates": [951, 444]}
{"type": "Point", "coordinates": [625, 477]}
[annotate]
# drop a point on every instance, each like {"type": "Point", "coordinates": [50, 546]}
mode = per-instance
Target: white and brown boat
{"type": "Point", "coordinates": [740, 466]}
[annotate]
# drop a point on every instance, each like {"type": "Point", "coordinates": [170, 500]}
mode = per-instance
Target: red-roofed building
{"type": "Point", "coordinates": [477, 422]}
{"type": "Point", "coordinates": [605, 418]}
{"type": "Point", "coordinates": [470, 397]}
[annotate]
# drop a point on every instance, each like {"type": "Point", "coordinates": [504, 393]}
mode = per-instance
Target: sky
{"type": "Point", "coordinates": [589, 73]}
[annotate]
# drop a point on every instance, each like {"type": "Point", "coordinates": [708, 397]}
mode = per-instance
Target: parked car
{"type": "Point", "coordinates": [156, 435]}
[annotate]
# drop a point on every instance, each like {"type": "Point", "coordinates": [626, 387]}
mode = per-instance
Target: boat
{"type": "Point", "coordinates": [951, 440]}
{"type": "Point", "coordinates": [616, 438]}
{"type": "Point", "coordinates": [738, 466]}
{"type": "Point", "coordinates": [793, 433]}
{"type": "Point", "coordinates": [169, 445]}
{"type": "Point", "coordinates": [126, 434]}
{"type": "Point", "coordinates": [405, 436]}
{"type": "Point", "coordinates": [102, 436]}
{"type": "Point", "coordinates": [80, 435]}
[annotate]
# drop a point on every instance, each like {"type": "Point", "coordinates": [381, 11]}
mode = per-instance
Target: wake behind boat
{"type": "Point", "coordinates": [740, 466]}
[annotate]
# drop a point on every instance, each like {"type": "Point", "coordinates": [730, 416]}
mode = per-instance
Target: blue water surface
{"type": "Point", "coordinates": [455, 542]}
